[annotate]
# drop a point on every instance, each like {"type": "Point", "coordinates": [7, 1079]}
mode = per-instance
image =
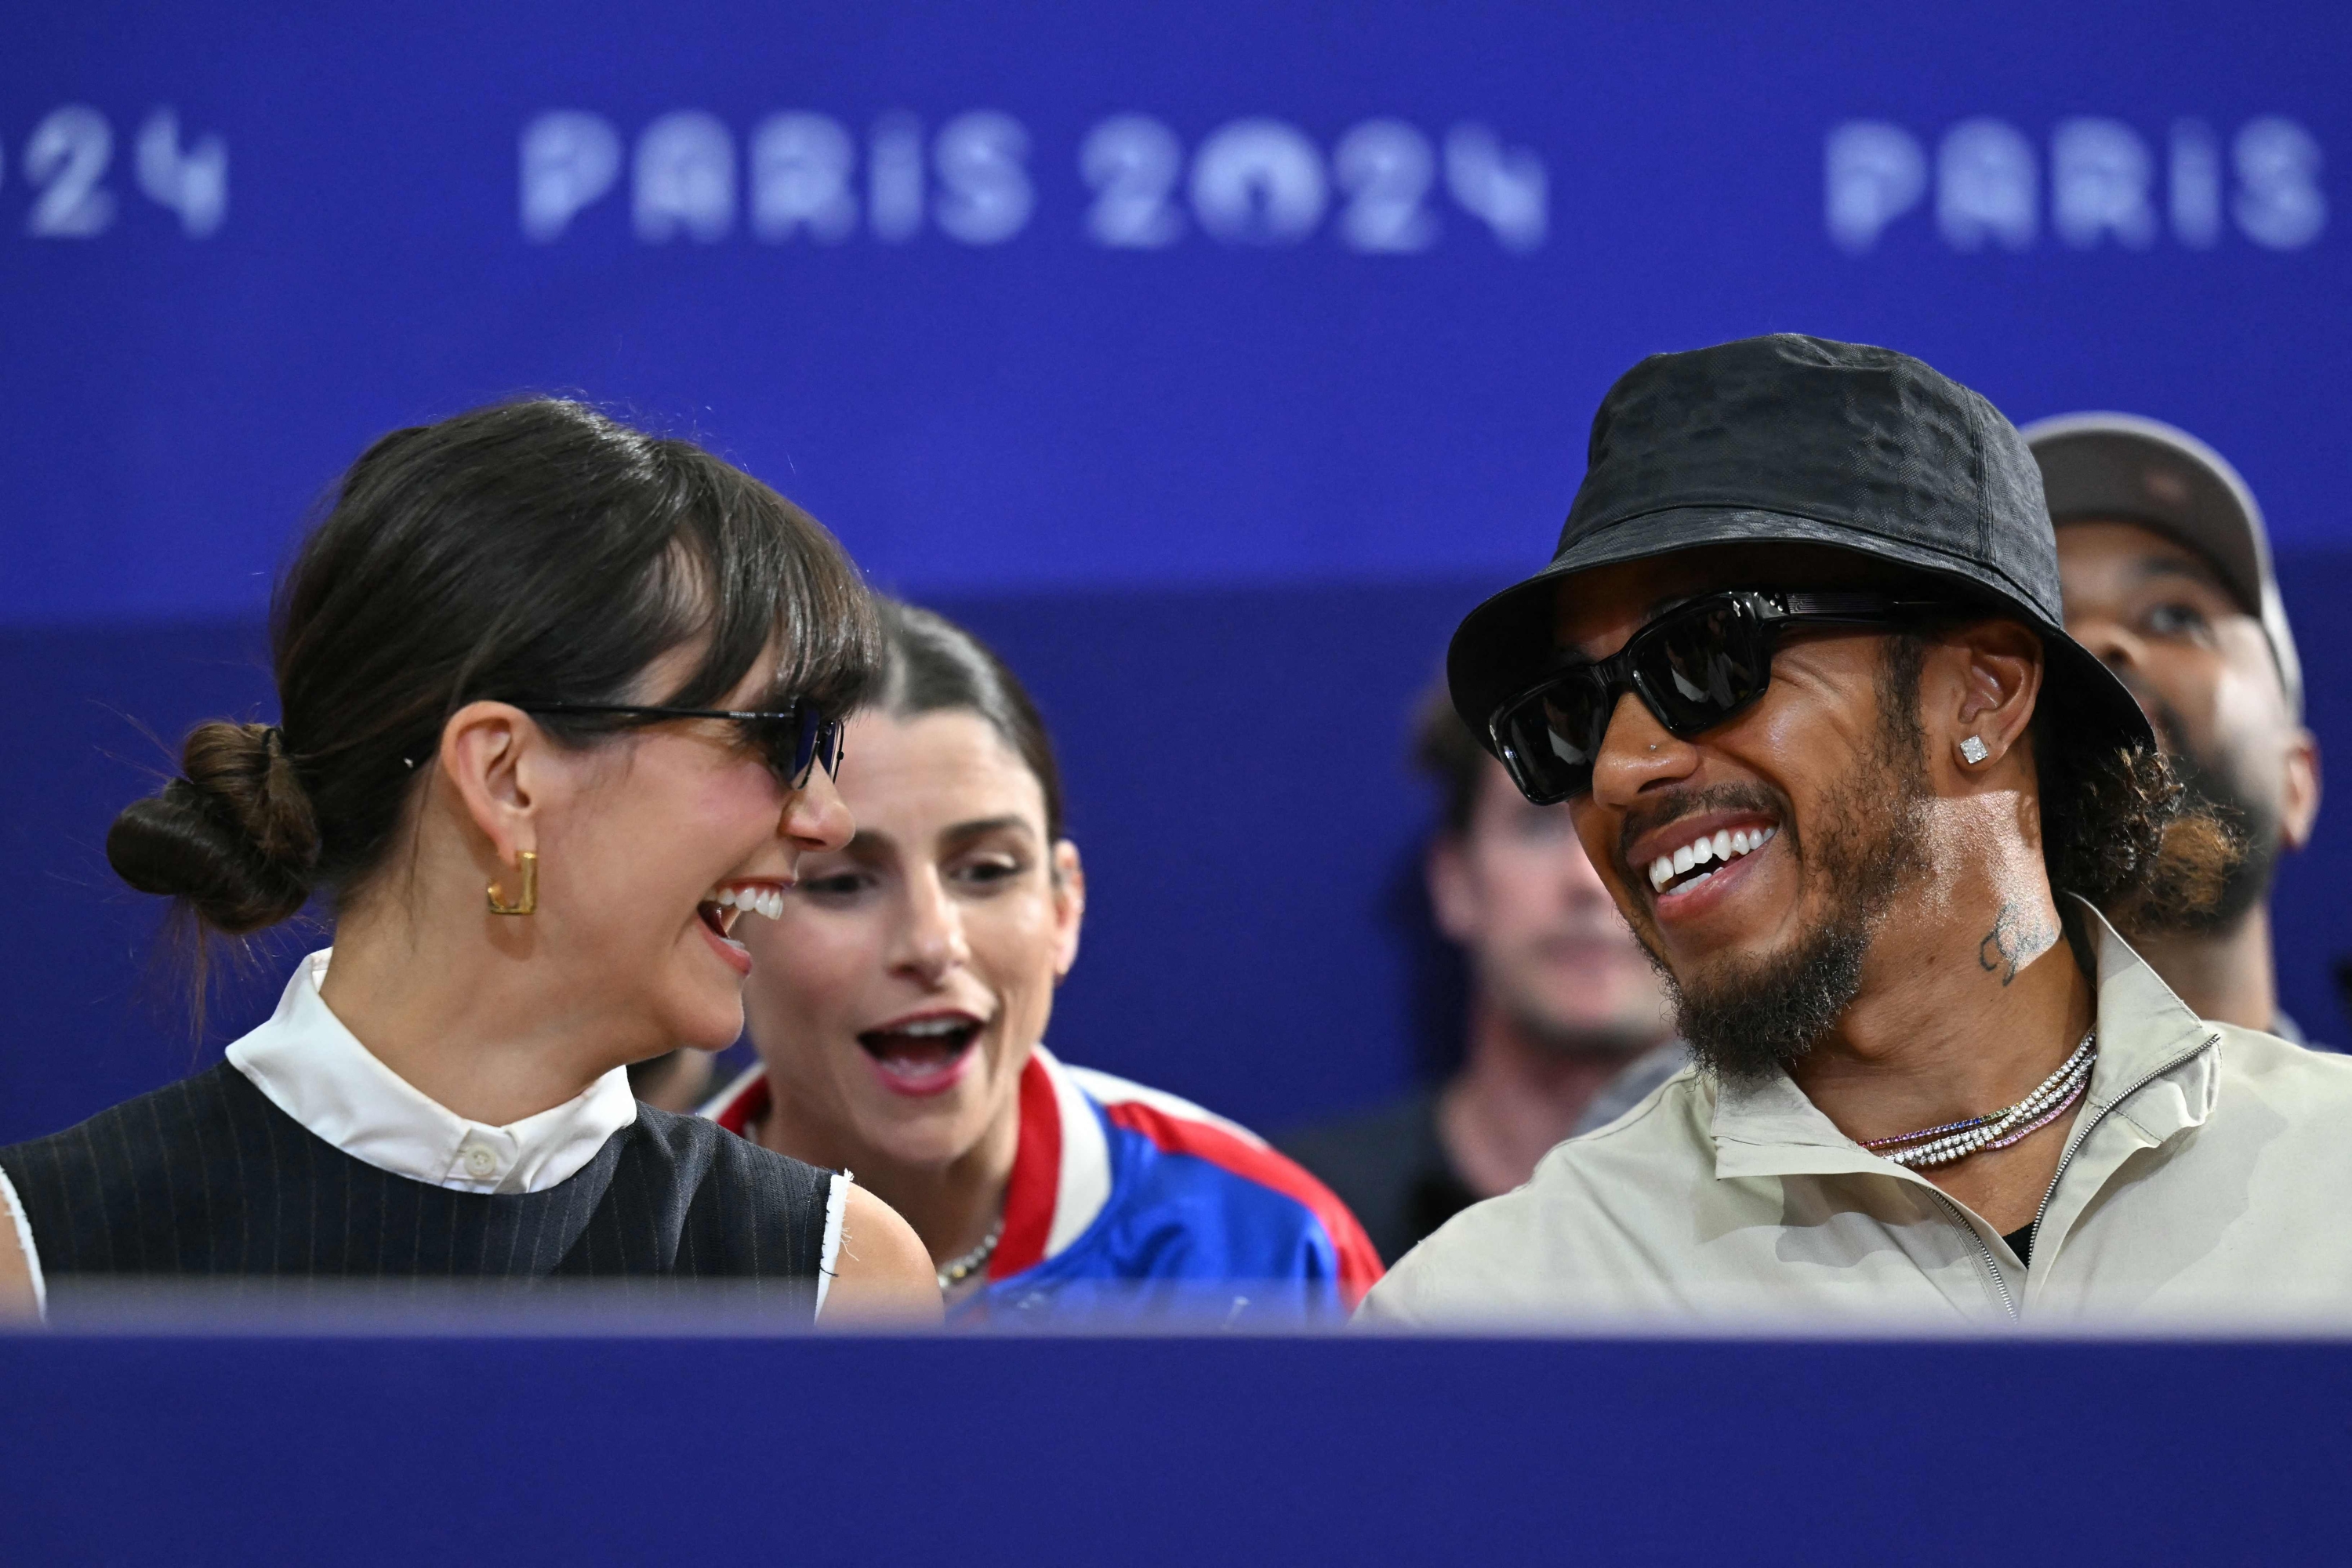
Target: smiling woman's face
{"type": "Point", "coordinates": [897, 996]}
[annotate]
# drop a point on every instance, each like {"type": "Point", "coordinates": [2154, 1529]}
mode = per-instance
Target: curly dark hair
{"type": "Point", "coordinates": [2118, 830]}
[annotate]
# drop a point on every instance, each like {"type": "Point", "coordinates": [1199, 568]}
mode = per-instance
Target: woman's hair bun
{"type": "Point", "coordinates": [235, 837]}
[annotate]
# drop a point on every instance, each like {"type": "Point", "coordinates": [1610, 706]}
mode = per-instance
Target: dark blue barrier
{"type": "Point", "coordinates": [1169, 1451]}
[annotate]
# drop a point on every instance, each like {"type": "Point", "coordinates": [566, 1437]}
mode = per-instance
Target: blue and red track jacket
{"type": "Point", "coordinates": [1123, 1198]}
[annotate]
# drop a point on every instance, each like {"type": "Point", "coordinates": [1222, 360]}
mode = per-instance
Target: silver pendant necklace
{"type": "Point", "coordinates": [956, 1270]}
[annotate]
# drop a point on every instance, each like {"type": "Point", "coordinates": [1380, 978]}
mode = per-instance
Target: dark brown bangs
{"type": "Point", "coordinates": [749, 571]}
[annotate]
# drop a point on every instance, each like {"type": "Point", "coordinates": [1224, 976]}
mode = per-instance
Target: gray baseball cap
{"type": "Point", "coordinates": [2122, 468]}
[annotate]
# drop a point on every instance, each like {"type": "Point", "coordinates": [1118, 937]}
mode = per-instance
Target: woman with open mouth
{"type": "Point", "coordinates": [899, 1001]}
{"type": "Point", "coordinates": [559, 706]}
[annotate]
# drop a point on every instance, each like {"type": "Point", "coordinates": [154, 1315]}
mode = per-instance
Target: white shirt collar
{"type": "Point", "coordinates": [316, 1072]}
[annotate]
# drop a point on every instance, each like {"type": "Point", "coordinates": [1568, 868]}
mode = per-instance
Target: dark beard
{"type": "Point", "coordinates": [2207, 786]}
{"type": "Point", "coordinates": [1754, 1017]}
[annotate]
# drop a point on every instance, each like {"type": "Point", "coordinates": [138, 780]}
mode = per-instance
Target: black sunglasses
{"type": "Point", "coordinates": [1694, 666]}
{"type": "Point", "coordinates": [793, 739]}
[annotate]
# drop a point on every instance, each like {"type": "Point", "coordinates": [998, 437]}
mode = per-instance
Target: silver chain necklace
{"type": "Point", "coordinates": [1996, 1129]}
{"type": "Point", "coordinates": [956, 1270]}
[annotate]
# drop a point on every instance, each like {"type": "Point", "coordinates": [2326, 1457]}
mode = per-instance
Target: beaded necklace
{"type": "Point", "coordinates": [956, 1270]}
{"type": "Point", "coordinates": [1996, 1129]}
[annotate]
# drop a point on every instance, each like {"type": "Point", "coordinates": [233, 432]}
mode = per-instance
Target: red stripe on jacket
{"type": "Point", "coordinates": [1036, 1178]}
{"type": "Point", "coordinates": [1360, 1265]}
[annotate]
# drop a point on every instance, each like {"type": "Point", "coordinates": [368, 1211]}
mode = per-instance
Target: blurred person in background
{"type": "Point", "coordinates": [2166, 572]}
{"type": "Point", "coordinates": [559, 703]}
{"type": "Point", "coordinates": [899, 1007]}
{"type": "Point", "coordinates": [1567, 1027]}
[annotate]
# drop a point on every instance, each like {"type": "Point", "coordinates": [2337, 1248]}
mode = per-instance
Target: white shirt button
{"type": "Point", "coordinates": [480, 1164]}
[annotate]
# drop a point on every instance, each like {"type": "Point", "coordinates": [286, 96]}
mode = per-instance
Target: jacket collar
{"type": "Point", "coordinates": [2147, 1035]}
{"type": "Point", "coordinates": [1061, 1166]}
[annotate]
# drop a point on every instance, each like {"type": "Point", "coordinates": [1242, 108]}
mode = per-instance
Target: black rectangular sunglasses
{"type": "Point", "coordinates": [1694, 666]}
{"type": "Point", "coordinates": [793, 739]}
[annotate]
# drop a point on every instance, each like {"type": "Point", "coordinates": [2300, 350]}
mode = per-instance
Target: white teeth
{"type": "Point", "coordinates": [752, 900]}
{"type": "Point", "coordinates": [1720, 849]}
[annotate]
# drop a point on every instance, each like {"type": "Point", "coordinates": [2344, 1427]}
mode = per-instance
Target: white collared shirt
{"type": "Point", "coordinates": [316, 1072]}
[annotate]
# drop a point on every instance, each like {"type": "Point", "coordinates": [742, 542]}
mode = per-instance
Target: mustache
{"type": "Point", "coordinates": [1670, 808]}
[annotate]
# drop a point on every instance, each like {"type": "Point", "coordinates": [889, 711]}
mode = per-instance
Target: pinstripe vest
{"type": "Point", "coordinates": [207, 1177]}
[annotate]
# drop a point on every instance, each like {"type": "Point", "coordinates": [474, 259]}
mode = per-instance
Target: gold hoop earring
{"type": "Point", "coordinates": [528, 904]}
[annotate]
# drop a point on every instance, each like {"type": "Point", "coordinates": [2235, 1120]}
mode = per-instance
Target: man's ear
{"type": "Point", "coordinates": [1453, 889]}
{"type": "Point", "coordinates": [1999, 681]}
{"type": "Point", "coordinates": [2299, 800]}
{"type": "Point", "coordinates": [491, 754]}
{"type": "Point", "coordinates": [1069, 907]}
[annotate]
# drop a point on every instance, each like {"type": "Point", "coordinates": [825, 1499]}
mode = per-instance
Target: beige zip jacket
{"type": "Point", "coordinates": [2207, 1181]}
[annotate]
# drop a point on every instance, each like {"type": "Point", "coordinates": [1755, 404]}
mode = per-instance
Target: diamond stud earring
{"type": "Point", "coordinates": [1975, 750]}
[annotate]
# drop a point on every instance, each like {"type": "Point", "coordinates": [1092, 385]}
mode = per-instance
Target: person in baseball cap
{"type": "Point", "coordinates": [1799, 669]}
{"type": "Point", "coordinates": [2166, 576]}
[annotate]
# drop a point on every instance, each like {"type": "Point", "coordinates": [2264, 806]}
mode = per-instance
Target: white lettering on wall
{"type": "Point", "coordinates": [1259, 181]}
{"type": "Point", "coordinates": [1506, 188]}
{"type": "Point", "coordinates": [569, 160]}
{"type": "Point", "coordinates": [683, 179]}
{"type": "Point", "coordinates": [2103, 184]}
{"type": "Point", "coordinates": [1985, 186]}
{"type": "Point", "coordinates": [1132, 162]}
{"type": "Point", "coordinates": [1876, 173]}
{"type": "Point", "coordinates": [191, 180]}
{"type": "Point", "coordinates": [984, 192]}
{"type": "Point", "coordinates": [1386, 167]}
{"type": "Point", "coordinates": [2100, 172]}
{"type": "Point", "coordinates": [1253, 181]}
{"type": "Point", "coordinates": [894, 174]}
{"type": "Point", "coordinates": [67, 157]}
{"type": "Point", "coordinates": [2279, 204]}
{"type": "Point", "coordinates": [802, 169]}
{"type": "Point", "coordinates": [2196, 185]}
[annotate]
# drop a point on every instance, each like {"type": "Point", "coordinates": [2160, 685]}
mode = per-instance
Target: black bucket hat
{"type": "Point", "coordinates": [1803, 441]}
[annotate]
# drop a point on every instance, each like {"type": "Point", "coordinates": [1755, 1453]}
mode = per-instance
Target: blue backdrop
{"type": "Point", "coordinates": [1211, 358]}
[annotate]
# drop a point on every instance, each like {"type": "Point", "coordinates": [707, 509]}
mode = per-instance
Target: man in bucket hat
{"type": "Point", "coordinates": [1800, 672]}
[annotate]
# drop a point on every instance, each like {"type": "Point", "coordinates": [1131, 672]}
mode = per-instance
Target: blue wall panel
{"type": "Point", "coordinates": [1339, 307]}
{"type": "Point", "coordinates": [1142, 335]}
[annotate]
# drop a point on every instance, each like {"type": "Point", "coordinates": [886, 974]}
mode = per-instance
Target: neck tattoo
{"type": "Point", "coordinates": [1996, 1129]}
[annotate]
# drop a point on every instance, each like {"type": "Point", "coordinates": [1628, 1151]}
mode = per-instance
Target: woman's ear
{"type": "Point", "coordinates": [1069, 884]}
{"type": "Point", "coordinates": [1999, 670]}
{"type": "Point", "coordinates": [491, 755]}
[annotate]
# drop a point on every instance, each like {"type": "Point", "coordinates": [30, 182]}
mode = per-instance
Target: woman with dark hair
{"type": "Point", "coordinates": [601, 676]}
{"type": "Point", "coordinates": [899, 1004]}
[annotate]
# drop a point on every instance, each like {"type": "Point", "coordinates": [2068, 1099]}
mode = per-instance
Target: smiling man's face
{"type": "Point", "coordinates": [1811, 805]}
